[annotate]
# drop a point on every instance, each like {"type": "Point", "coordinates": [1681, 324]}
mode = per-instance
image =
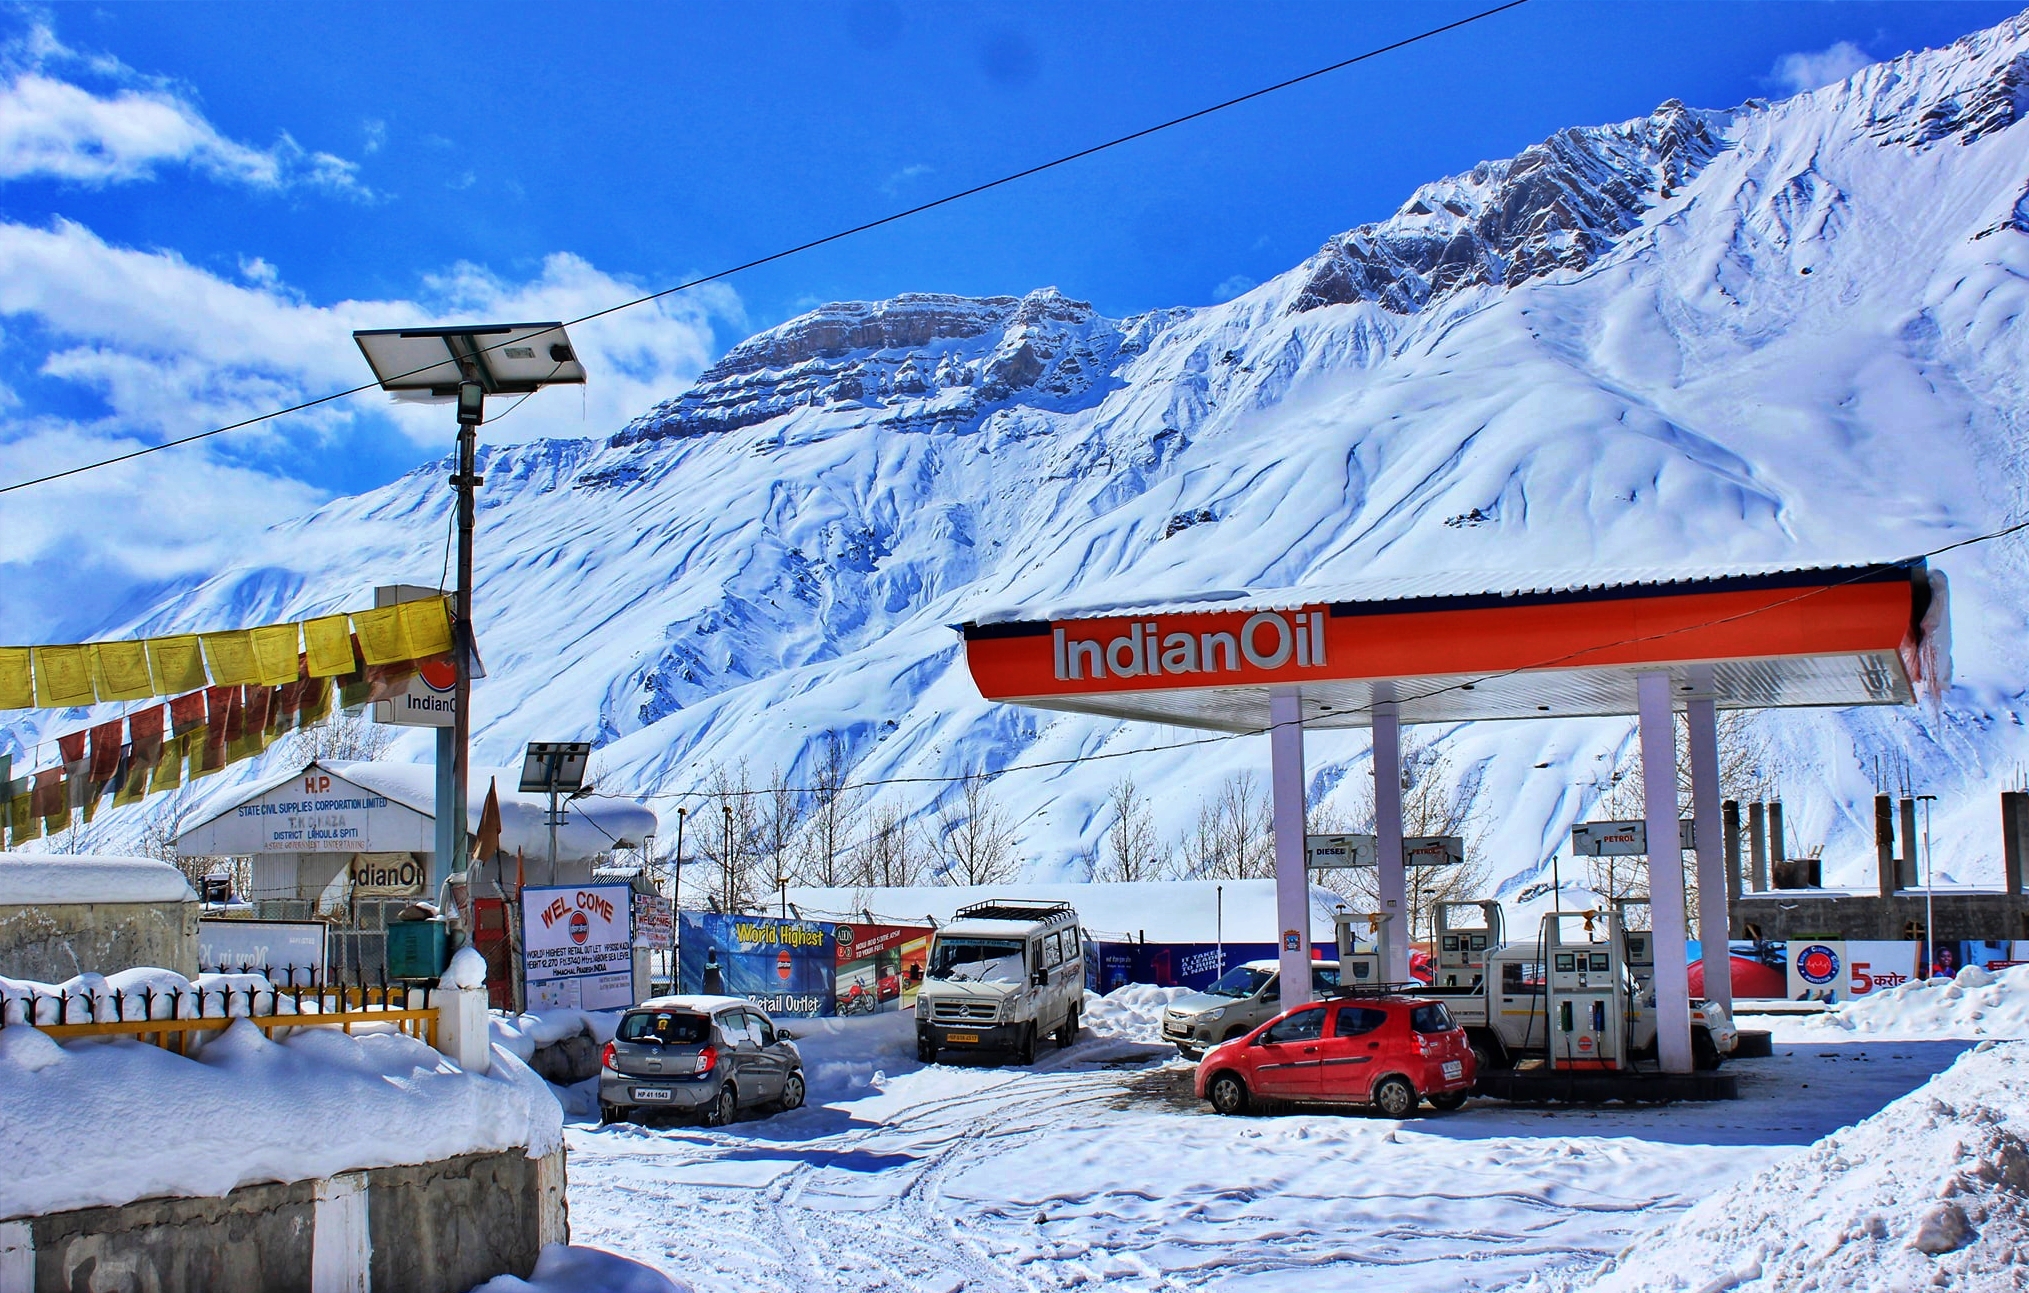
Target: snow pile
{"type": "Point", "coordinates": [845, 1058]}
{"type": "Point", "coordinates": [96, 1123]}
{"type": "Point", "coordinates": [1132, 1013]}
{"type": "Point", "coordinates": [526, 1034]}
{"type": "Point", "coordinates": [563, 1269]}
{"type": "Point", "coordinates": [1932, 1190]}
{"type": "Point", "coordinates": [1976, 1003]}
{"type": "Point", "coordinates": [141, 993]}
{"type": "Point", "coordinates": [72, 878]}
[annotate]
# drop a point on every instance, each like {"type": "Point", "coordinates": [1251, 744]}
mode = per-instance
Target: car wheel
{"type": "Point", "coordinates": [1026, 1050]}
{"type": "Point", "coordinates": [1394, 1097]}
{"type": "Point", "coordinates": [1228, 1094]}
{"type": "Point", "coordinates": [724, 1109]}
{"type": "Point", "coordinates": [1231, 1033]}
{"type": "Point", "coordinates": [1704, 1053]}
{"type": "Point", "coordinates": [792, 1092]}
{"type": "Point", "coordinates": [1448, 1101]}
{"type": "Point", "coordinates": [1069, 1032]}
{"type": "Point", "coordinates": [1485, 1056]}
{"type": "Point", "coordinates": [926, 1051]}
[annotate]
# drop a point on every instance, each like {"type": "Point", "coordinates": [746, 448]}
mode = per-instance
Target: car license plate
{"type": "Point", "coordinates": [962, 1037]}
{"type": "Point", "coordinates": [651, 1093]}
{"type": "Point", "coordinates": [1454, 1070]}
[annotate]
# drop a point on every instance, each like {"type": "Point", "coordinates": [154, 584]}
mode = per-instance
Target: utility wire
{"type": "Point", "coordinates": [784, 254]}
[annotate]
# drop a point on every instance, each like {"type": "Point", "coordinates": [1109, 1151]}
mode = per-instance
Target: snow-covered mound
{"type": "Point", "coordinates": [572, 1269]}
{"type": "Point", "coordinates": [104, 1123]}
{"type": "Point", "coordinates": [1132, 1013]}
{"type": "Point", "coordinates": [1784, 332]}
{"type": "Point", "coordinates": [1933, 1191]}
{"type": "Point", "coordinates": [1974, 1003]}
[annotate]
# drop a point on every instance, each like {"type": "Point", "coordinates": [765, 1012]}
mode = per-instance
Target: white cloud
{"type": "Point", "coordinates": [171, 349]}
{"type": "Point", "coordinates": [895, 183]}
{"type": "Point", "coordinates": [1798, 73]}
{"type": "Point", "coordinates": [51, 127]}
{"type": "Point", "coordinates": [1237, 285]}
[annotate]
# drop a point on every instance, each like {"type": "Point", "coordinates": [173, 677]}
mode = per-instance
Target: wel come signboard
{"type": "Point", "coordinates": [577, 946]}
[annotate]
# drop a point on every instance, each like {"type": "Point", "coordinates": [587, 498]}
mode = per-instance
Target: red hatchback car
{"type": "Point", "coordinates": [1386, 1051]}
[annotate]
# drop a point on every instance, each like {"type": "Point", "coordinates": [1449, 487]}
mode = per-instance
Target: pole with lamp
{"type": "Point", "coordinates": [465, 365]}
{"type": "Point", "coordinates": [726, 862]}
{"type": "Point", "coordinates": [1929, 892]}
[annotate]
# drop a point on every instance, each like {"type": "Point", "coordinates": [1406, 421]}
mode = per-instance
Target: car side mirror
{"type": "Point", "coordinates": [1041, 978]}
{"type": "Point", "coordinates": [784, 1035]}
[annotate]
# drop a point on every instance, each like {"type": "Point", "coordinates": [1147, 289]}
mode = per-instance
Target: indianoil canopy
{"type": "Point", "coordinates": [1460, 648]}
{"type": "Point", "coordinates": [577, 946]}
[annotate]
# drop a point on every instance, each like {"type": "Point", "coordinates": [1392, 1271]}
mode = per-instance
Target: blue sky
{"type": "Point", "coordinates": [198, 202]}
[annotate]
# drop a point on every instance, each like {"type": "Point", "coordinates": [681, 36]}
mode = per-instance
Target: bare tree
{"type": "Point", "coordinates": [974, 841]}
{"type": "Point", "coordinates": [1133, 850]}
{"type": "Point", "coordinates": [892, 857]}
{"type": "Point", "coordinates": [346, 735]}
{"type": "Point", "coordinates": [1436, 800]}
{"type": "Point", "coordinates": [781, 813]}
{"type": "Point", "coordinates": [1233, 840]}
{"type": "Point", "coordinates": [728, 840]}
{"type": "Point", "coordinates": [830, 823]}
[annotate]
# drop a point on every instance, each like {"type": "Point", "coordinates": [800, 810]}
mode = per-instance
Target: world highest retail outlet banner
{"type": "Point", "coordinates": [578, 946]}
{"type": "Point", "coordinates": [788, 967]}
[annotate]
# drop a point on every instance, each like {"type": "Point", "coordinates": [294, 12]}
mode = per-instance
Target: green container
{"type": "Point", "coordinates": [416, 949]}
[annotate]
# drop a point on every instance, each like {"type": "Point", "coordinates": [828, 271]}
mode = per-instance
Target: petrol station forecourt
{"type": "Point", "coordinates": [1462, 647]}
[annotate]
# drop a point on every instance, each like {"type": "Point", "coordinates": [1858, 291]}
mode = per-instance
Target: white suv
{"type": "Point", "coordinates": [1001, 975]}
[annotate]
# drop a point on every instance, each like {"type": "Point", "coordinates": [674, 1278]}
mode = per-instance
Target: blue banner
{"type": "Point", "coordinates": [787, 967]}
{"type": "Point", "coordinates": [1167, 965]}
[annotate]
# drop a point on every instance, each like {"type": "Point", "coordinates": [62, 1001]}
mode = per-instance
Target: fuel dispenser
{"type": "Point", "coordinates": [1462, 949]}
{"type": "Point", "coordinates": [1357, 968]}
{"type": "Point", "coordinates": [1638, 945]}
{"type": "Point", "coordinates": [1585, 993]}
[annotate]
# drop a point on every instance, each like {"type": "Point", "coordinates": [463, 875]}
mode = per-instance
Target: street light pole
{"type": "Point", "coordinates": [726, 862]}
{"type": "Point", "coordinates": [1929, 892]}
{"type": "Point", "coordinates": [471, 412]}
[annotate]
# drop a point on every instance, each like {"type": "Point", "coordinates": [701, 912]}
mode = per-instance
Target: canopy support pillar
{"type": "Point", "coordinates": [1395, 933]}
{"type": "Point", "coordinates": [1292, 881]}
{"type": "Point", "coordinates": [1666, 870]}
{"type": "Point", "coordinates": [1714, 920]}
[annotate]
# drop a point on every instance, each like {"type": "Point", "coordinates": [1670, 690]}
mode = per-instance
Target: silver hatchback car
{"type": "Point", "coordinates": [709, 1057]}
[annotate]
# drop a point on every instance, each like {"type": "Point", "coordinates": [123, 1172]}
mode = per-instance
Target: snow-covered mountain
{"type": "Point", "coordinates": [1788, 331]}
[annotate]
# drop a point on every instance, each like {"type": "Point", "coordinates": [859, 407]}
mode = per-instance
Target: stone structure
{"type": "Point", "coordinates": [62, 916]}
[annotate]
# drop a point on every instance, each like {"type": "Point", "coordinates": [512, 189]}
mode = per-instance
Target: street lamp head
{"type": "Point", "coordinates": [435, 364]}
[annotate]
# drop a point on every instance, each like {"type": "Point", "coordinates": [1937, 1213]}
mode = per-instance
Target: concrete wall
{"type": "Point", "coordinates": [429, 1228]}
{"type": "Point", "coordinates": [1802, 913]}
{"type": "Point", "coordinates": [50, 942]}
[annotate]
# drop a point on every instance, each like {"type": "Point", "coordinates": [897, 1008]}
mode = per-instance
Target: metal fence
{"type": "Point", "coordinates": [169, 1016]}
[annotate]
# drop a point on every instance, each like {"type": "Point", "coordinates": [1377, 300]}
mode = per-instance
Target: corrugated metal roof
{"type": "Point", "coordinates": [1441, 586]}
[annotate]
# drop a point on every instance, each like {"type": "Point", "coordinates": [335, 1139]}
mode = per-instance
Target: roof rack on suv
{"type": "Point", "coordinates": [1015, 909]}
{"type": "Point", "coordinates": [1413, 988]}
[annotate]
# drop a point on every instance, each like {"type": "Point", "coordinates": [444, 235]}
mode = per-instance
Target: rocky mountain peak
{"type": "Point", "coordinates": [919, 355]}
{"type": "Point", "coordinates": [1556, 205]}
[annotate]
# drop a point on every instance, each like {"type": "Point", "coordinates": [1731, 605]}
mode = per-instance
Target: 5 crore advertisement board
{"type": "Point", "coordinates": [577, 946]}
{"type": "Point", "coordinates": [1842, 970]}
{"type": "Point", "coordinates": [787, 967]}
{"type": "Point", "coordinates": [879, 967]}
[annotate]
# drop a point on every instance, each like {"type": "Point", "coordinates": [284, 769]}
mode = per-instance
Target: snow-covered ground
{"type": "Point", "coordinates": [1096, 1167]}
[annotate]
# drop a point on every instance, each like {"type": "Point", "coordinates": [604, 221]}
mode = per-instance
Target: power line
{"type": "Point", "coordinates": [784, 254]}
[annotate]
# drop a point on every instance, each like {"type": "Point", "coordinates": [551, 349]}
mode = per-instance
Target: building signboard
{"type": "Point", "coordinates": [577, 946]}
{"type": "Point", "coordinates": [1843, 970]}
{"type": "Point", "coordinates": [393, 875]}
{"type": "Point", "coordinates": [428, 699]}
{"type": "Point", "coordinates": [789, 967]}
{"type": "Point", "coordinates": [654, 922]}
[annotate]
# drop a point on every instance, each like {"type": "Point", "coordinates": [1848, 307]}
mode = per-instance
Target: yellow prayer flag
{"type": "Point", "coordinates": [121, 670]}
{"type": "Point", "coordinates": [275, 650]}
{"type": "Point", "coordinates": [428, 626]}
{"type": "Point", "coordinates": [316, 704]}
{"type": "Point", "coordinates": [230, 656]}
{"type": "Point", "coordinates": [25, 825]}
{"type": "Point", "coordinates": [132, 788]}
{"type": "Point", "coordinates": [17, 679]}
{"type": "Point", "coordinates": [63, 677]}
{"type": "Point", "coordinates": [381, 639]}
{"type": "Point", "coordinates": [327, 640]}
{"type": "Point", "coordinates": [177, 665]}
{"type": "Point", "coordinates": [168, 774]}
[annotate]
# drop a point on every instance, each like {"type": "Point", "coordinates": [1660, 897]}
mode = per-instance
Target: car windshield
{"type": "Point", "coordinates": [991, 960]}
{"type": "Point", "coordinates": [1240, 982]}
{"type": "Point", "coordinates": [669, 1027]}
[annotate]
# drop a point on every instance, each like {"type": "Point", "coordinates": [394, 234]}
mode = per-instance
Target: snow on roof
{"type": "Point", "coordinates": [706, 1004]}
{"type": "Point", "coordinates": [590, 826]}
{"type": "Point", "coordinates": [30, 879]}
{"type": "Point", "coordinates": [1432, 585]}
{"type": "Point", "coordinates": [1163, 911]}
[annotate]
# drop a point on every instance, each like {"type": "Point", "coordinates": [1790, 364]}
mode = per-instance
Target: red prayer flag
{"type": "Point", "coordinates": [186, 713]}
{"type": "Point", "coordinates": [72, 747]}
{"type": "Point", "coordinates": [49, 798]}
{"type": "Point", "coordinates": [106, 741]}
